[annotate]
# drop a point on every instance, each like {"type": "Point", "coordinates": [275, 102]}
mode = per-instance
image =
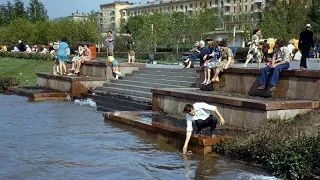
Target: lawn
{"type": "Point", "coordinates": [24, 69]}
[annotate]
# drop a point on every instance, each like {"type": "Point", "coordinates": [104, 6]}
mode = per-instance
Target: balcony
{"type": "Point", "coordinates": [214, 6]}
{"type": "Point", "coordinates": [226, 13]}
{"type": "Point", "coordinates": [226, 4]}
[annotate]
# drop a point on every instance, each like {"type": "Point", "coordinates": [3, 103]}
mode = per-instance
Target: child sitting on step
{"type": "Point", "coordinates": [114, 66]}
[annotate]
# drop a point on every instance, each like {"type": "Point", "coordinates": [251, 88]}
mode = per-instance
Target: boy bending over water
{"type": "Point", "coordinates": [200, 114]}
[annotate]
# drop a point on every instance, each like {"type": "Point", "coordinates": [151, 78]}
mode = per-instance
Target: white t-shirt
{"type": "Point", "coordinates": [291, 48]}
{"type": "Point", "coordinates": [202, 112]}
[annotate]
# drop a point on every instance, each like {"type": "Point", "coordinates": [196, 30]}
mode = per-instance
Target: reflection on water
{"type": "Point", "coordinates": [62, 140]}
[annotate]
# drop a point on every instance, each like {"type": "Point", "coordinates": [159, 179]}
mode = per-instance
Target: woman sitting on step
{"type": "Point", "coordinates": [213, 59]}
{"type": "Point", "coordinates": [86, 54]}
{"type": "Point", "coordinates": [227, 61]}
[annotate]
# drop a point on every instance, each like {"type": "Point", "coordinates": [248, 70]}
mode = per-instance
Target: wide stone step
{"type": "Point", "coordinates": [174, 73]}
{"type": "Point", "coordinates": [159, 81]}
{"type": "Point", "coordinates": [169, 69]}
{"type": "Point", "coordinates": [105, 101]}
{"type": "Point", "coordinates": [129, 87]}
{"type": "Point", "coordinates": [117, 106]}
{"type": "Point", "coordinates": [166, 76]}
{"type": "Point", "coordinates": [140, 84]}
{"type": "Point", "coordinates": [121, 96]}
{"type": "Point", "coordinates": [162, 77]}
{"type": "Point", "coordinates": [126, 92]}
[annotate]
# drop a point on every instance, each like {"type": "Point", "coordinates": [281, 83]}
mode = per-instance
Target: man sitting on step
{"type": "Point", "coordinates": [201, 114]}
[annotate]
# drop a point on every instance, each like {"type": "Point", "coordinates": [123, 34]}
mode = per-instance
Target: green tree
{"type": "Point", "coordinates": [284, 19]}
{"type": "Point", "coordinates": [18, 9]}
{"type": "Point", "coordinates": [36, 11]}
{"type": "Point", "coordinates": [314, 16]}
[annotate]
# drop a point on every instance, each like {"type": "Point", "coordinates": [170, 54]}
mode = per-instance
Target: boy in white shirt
{"type": "Point", "coordinates": [200, 113]}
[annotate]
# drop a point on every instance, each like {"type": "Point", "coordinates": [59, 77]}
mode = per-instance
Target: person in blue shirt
{"type": "Point", "coordinates": [62, 56]}
{"type": "Point", "coordinates": [212, 60]}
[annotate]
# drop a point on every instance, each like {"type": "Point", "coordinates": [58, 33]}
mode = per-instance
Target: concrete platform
{"type": "Point", "coordinates": [293, 84]}
{"type": "Point", "coordinates": [103, 69]}
{"type": "Point", "coordinates": [145, 120]}
{"type": "Point", "coordinates": [74, 86]}
{"type": "Point", "coordinates": [36, 94]}
{"type": "Point", "coordinates": [242, 112]}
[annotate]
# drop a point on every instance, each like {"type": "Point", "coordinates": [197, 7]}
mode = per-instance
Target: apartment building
{"type": "Point", "coordinates": [109, 15]}
{"type": "Point", "coordinates": [235, 13]}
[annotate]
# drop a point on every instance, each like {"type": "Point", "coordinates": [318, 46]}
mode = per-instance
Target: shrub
{"type": "Point", "coordinates": [6, 82]}
{"type": "Point", "coordinates": [289, 150]}
{"type": "Point", "coordinates": [36, 56]}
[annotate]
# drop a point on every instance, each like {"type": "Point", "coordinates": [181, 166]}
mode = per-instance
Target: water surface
{"type": "Point", "coordinates": [61, 140]}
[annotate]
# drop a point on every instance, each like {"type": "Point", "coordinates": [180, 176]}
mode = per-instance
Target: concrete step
{"type": "Point", "coordinates": [180, 82]}
{"type": "Point", "coordinates": [105, 101]}
{"type": "Point", "coordinates": [116, 106]}
{"type": "Point", "coordinates": [167, 70]}
{"type": "Point", "coordinates": [124, 97]}
{"type": "Point", "coordinates": [174, 73]}
{"type": "Point", "coordinates": [126, 92]}
{"type": "Point", "coordinates": [128, 87]}
{"type": "Point", "coordinates": [140, 84]}
{"type": "Point", "coordinates": [164, 77]}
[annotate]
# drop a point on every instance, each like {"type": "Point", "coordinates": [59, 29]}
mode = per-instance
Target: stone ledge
{"type": "Point", "coordinates": [199, 145]}
{"type": "Point", "coordinates": [254, 71]}
{"type": "Point", "coordinates": [70, 78]}
{"type": "Point", "coordinates": [39, 94]}
{"type": "Point", "coordinates": [267, 105]}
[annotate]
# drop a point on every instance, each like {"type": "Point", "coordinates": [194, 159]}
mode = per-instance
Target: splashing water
{"type": "Point", "coordinates": [85, 102]}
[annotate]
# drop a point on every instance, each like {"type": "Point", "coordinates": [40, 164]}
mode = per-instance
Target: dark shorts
{"type": "Point", "coordinates": [211, 122]}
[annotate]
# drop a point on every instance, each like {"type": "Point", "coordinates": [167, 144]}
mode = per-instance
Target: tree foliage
{"type": "Point", "coordinates": [314, 16]}
{"type": "Point", "coordinates": [284, 19]}
{"type": "Point", "coordinates": [36, 11]}
{"type": "Point", "coordinates": [162, 29]}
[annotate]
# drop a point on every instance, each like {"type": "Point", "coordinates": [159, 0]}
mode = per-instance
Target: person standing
{"type": "Point", "coordinates": [305, 43]}
{"type": "Point", "coordinates": [201, 114]}
{"type": "Point", "coordinates": [109, 43]}
{"type": "Point", "coordinates": [62, 56]}
{"type": "Point", "coordinates": [255, 50]}
{"type": "Point", "coordinates": [131, 53]}
{"type": "Point", "coordinates": [291, 49]}
{"type": "Point", "coordinates": [265, 48]}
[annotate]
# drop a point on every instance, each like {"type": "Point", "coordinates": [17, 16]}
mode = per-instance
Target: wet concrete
{"type": "Point", "coordinates": [61, 140]}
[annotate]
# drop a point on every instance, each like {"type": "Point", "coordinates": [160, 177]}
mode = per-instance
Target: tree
{"type": "Point", "coordinates": [314, 16]}
{"type": "Point", "coordinates": [36, 11]}
{"type": "Point", "coordinates": [284, 19]}
{"type": "Point", "coordinates": [18, 9]}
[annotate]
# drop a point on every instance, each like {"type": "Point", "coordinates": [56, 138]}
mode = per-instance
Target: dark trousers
{"type": "Point", "coordinates": [305, 54]}
{"type": "Point", "coordinates": [211, 122]}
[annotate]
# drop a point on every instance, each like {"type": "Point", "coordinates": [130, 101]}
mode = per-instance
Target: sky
{"type": "Point", "coordinates": [61, 8]}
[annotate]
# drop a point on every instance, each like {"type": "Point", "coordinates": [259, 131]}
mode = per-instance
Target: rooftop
{"type": "Point", "coordinates": [117, 2]}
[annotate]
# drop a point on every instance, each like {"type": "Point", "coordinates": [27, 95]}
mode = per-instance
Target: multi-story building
{"type": "Point", "coordinates": [78, 16]}
{"type": "Point", "coordinates": [110, 15]}
{"type": "Point", "coordinates": [235, 13]}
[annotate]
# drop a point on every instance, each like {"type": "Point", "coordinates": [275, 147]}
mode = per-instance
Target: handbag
{"type": "Point", "coordinates": [297, 56]}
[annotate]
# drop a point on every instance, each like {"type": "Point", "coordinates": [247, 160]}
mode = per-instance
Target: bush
{"type": "Point", "coordinates": [36, 56]}
{"type": "Point", "coordinates": [289, 150]}
{"type": "Point", "coordinates": [6, 82]}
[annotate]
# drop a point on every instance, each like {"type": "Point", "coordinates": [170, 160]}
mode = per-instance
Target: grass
{"type": "Point", "coordinates": [24, 69]}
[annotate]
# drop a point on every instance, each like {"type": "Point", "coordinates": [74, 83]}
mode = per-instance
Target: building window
{"type": "Point", "coordinates": [181, 7]}
{"type": "Point", "coordinates": [245, 8]}
{"type": "Point", "coordinates": [251, 7]}
{"type": "Point", "coordinates": [190, 5]}
{"type": "Point", "coordinates": [234, 9]}
{"type": "Point", "coordinates": [196, 5]}
{"type": "Point", "coordinates": [216, 2]}
{"type": "Point", "coordinates": [210, 3]}
{"type": "Point", "coordinates": [200, 4]}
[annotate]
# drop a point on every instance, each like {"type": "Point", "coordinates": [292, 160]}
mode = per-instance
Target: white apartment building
{"type": "Point", "coordinates": [235, 13]}
{"type": "Point", "coordinates": [109, 15]}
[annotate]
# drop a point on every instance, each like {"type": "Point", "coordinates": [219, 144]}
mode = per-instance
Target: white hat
{"type": "Point", "coordinates": [196, 43]}
{"type": "Point", "coordinates": [20, 41]}
{"type": "Point", "coordinates": [308, 25]}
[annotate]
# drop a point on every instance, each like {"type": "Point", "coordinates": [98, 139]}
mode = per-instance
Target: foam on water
{"type": "Point", "coordinates": [251, 176]}
{"type": "Point", "coordinates": [85, 102]}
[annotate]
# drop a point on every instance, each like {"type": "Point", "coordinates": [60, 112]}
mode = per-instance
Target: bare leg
{"type": "Point", "coordinates": [209, 76]}
{"type": "Point", "coordinates": [129, 58]}
{"type": "Point", "coordinates": [259, 59]}
{"type": "Point", "coordinates": [133, 58]}
{"type": "Point", "coordinates": [54, 69]}
{"type": "Point", "coordinates": [216, 75]}
{"type": "Point", "coordinates": [249, 57]}
{"type": "Point", "coordinates": [205, 75]}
